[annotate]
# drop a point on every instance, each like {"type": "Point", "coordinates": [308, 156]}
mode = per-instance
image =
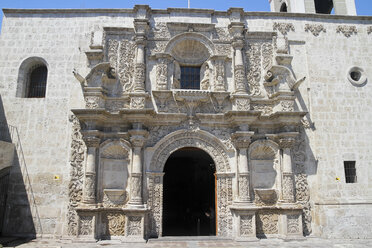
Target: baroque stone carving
{"type": "Point", "coordinates": [264, 108]}
{"type": "Point", "coordinates": [76, 175]}
{"type": "Point", "coordinates": [239, 78]}
{"type": "Point", "coordinates": [293, 224]}
{"type": "Point", "coordinates": [369, 30]}
{"type": "Point", "coordinates": [244, 187]}
{"type": "Point", "coordinates": [223, 49]}
{"type": "Point", "coordinates": [155, 203]}
{"type": "Point", "coordinates": [85, 225]}
{"type": "Point", "coordinates": [188, 138]}
{"type": "Point", "coordinates": [155, 47]}
{"type": "Point", "coordinates": [287, 106]}
{"type": "Point", "coordinates": [283, 28]}
{"type": "Point", "coordinates": [253, 66]}
{"type": "Point", "coordinates": [137, 103]}
{"type": "Point", "coordinates": [221, 34]}
{"type": "Point", "coordinates": [92, 102]}
{"type": "Point", "coordinates": [134, 226]}
{"type": "Point", "coordinates": [288, 193]}
{"type": "Point", "coordinates": [246, 228]}
{"type": "Point", "coordinates": [219, 75]}
{"type": "Point", "coordinates": [224, 190]}
{"type": "Point", "coordinates": [267, 223]}
{"type": "Point", "coordinates": [267, 55]}
{"type": "Point", "coordinates": [126, 65]}
{"type": "Point", "coordinates": [162, 74]}
{"type": "Point", "coordinates": [160, 31]}
{"type": "Point", "coordinates": [116, 224]}
{"type": "Point", "coordinates": [115, 152]}
{"type": "Point", "coordinates": [347, 30]}
{"type": "Point", "coordinates": [315, 29]}
{"type": "Point", "coordinates": [243, 104]}
{"type": "Point", "coordinates": [113, 46]}
{"type": "Point", "coordinates": [139, 76]}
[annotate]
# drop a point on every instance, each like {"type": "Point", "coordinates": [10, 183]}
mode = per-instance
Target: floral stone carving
{"type": "Point", "coordinates": [315, 29]}
{"type": "Point", "coordinates": [85, 225]}
{"type": "Point", "coordinates": [283, 28]}
{"type": "Point", "coordinates": [246, 228]}
{"type": "Point", "coordinates": [347, 30]}
{"type": "Point", "coordinates": [76, 174]}
{"type": "Point", "coordinates": [267, 223]}
{"type": "Point", "coordinates": [116, 224]}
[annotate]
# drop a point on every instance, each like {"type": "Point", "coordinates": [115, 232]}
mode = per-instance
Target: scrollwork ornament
{"type": "Point", "coordinates": [315, 29]}
{"type": "Point", "coordinates": [283, 28]}
{"type": "Point", "coordinates": [267, 223]}
{"type": "Point", "coordinates": [288, 192]}
{"type": "Point", "coordinates": [243, 104]}
{"type": "Point", "coordinates": [76, 174]}
{"type": "Point", "coordinates": [162, 74]}
{"type": "Point", "coordinates": [347, 30]}
{"type": "Point", "coordinates": [116, 224]}
{"type": "Point", "coordinates": [253, 66]}
{"type": "Point", "coordinates": [126, 65]}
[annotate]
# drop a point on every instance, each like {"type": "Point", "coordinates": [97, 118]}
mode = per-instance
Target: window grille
{"type": "Point", "coordinates": [190, 77]}
{"type": "Point", "coordinates": [350, 172]}
{"type": "Point", "coordinates": [37, 82]}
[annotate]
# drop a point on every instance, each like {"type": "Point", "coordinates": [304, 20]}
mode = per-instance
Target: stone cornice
{"type": "Point", "coordinates": [310, 16]}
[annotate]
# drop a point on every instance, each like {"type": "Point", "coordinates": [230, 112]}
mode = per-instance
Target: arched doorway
{"type": "Point", "coordinates": [189, 194]}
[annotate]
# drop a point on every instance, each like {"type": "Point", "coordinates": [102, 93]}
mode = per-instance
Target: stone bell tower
{"type": "Point", "coordinates": [341, 7]}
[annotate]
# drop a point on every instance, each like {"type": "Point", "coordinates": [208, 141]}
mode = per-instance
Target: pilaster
{"type": "Point", "coordinates": [89, 193]}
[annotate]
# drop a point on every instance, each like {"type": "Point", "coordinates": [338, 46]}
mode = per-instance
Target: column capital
{"type": "Point", "coordinates": [238, 44]}
{"type": "Point", "coordinates": [286, 142]}
{"type": "Point", "coordinates": [138, 137]}
{"type": "Point", "coordinates": [242, 139]}
{"type": "Point", "coordinates": [91, 141]}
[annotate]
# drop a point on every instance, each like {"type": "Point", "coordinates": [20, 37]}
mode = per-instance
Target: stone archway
{"type": "Point", "coordinates": [217, 151]}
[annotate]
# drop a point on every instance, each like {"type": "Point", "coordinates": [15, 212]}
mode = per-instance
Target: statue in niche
{"type": "Point", "coordinates": [176, 84]}
{"type": "Point", "coordinates": [204, 83]}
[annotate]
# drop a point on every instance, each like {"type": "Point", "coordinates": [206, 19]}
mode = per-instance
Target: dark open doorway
{"type": "Point", "coordinates": [189, 194]}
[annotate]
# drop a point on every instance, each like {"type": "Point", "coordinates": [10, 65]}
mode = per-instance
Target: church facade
{"type": "Point", "coordinates": [141, 123]}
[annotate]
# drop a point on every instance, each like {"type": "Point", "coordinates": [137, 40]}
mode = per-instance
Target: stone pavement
{"type": "Point", "coordinates": [195, 242]}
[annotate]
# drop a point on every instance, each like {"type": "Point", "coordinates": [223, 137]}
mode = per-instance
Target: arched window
{"type": "Point", "coordinates": [283, 8]}
{"type": "Point", "coordinates": [37, 82]}
{"type": "Point", "coordinates": [32, 78]}
{"type": "Point", "coordinates": [323, 6]}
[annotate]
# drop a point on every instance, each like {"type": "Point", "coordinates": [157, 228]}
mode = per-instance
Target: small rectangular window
{"type": "Point", "coordinates": [350, 172]}
{"type": "Point", "coordinates": [190, 77]}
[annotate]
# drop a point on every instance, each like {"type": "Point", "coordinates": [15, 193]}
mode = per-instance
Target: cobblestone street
{"type": "Point", "coordinates": [195, 242]}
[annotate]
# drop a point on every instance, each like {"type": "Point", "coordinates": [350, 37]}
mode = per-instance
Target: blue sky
{"type": "Point", "coordinates": [364, 7]}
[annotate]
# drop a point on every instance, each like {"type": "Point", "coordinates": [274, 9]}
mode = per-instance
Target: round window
{"type": "Point", "coordinates": [356, 76]}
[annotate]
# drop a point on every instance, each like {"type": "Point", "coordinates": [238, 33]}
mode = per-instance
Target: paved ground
{"type": "Point", "coordinates": [193, 243]}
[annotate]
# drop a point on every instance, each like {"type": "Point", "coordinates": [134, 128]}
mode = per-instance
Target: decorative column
{"type": "Point", "coordinates": [286, 143]}
{"type": "Point", "coordinates": [239, 70]}
{"type": "Point", "coordinates": [241, 140]}
{"type": "Point", "coordinates": [138, 138]}
{"type": "Point", "coordinates": [89, 193]}
{"type": "Point", "coordinates": [138, 96]}
{"type": "Point", "coordinates": [240, 98]}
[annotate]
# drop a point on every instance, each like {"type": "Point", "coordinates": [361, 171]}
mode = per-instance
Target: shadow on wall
{"type": "Point", "coordinates": [20, 216]}
{"type": "Point", "coordinates": [305, 164]}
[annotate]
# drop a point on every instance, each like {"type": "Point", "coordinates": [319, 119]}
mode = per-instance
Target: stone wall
{"type": "Point", "coordinates": [324, 48]}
